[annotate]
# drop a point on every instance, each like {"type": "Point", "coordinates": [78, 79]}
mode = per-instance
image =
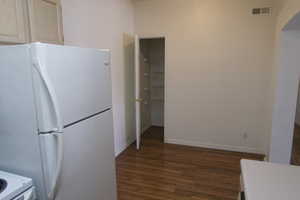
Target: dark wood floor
{"type": "Point", "coordinates": [296, 147]}
{"type": "Point", "coordinates": [172, 172]}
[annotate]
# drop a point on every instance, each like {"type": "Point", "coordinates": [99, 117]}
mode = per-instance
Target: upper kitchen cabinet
{"type": "Point", "coordinates": [45, 19]}
{"type": "Point", "coordinates": [12, 21]}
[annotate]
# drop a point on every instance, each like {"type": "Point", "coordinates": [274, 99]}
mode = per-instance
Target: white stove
{"type": "Point", "coordinates": [14, 187]}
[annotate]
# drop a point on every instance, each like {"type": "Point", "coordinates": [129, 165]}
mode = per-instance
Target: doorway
{"type": "Point", "coordinates": [284, 112]}
{"type": "Point", "coordinates": [152, 85]}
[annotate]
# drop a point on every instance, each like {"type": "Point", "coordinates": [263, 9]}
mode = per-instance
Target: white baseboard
{"type": "Point", "coordinates": [129, 141]}
{"type": "Point", "coordinates": [146, 128]}
{"type": "Point", "coordinates": [125, 146]}
{"type": "Point", "coordinates": [118, 152]}
{"type": "Point", "coordinates": [215, 146]}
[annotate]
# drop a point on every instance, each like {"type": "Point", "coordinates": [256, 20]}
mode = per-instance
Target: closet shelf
{"type": "Point", "coordinates": [158, 86]}
{"type": "Point", "coordinates": [157, 99]}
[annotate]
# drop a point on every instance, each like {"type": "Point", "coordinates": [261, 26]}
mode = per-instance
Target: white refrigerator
{"type": "Point", "coordinates": [56, 120]}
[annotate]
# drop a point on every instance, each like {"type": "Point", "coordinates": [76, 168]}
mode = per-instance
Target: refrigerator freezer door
{"type": "Point", "coordinates": [80, 78]}
{"type": "Point", "coordinates": [89, 164]}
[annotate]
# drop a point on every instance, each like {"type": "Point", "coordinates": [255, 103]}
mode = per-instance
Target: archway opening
{"type": "Point", "coordinates": [288, 74]}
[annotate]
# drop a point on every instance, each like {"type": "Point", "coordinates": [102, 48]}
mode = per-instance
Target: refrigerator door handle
{"type": "Point", "coordinates": [51, 92]}
{"type": "Point", "coordinates": [59, 160]}
{"type": "Point", "coordinates": [57, 131]}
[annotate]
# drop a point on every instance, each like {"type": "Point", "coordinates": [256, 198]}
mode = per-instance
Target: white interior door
{"type": "Point", "coordinates": [138, 99]}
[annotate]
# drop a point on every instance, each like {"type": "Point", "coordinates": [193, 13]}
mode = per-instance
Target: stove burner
{"type": "Point", "coordinates": [3, 185]}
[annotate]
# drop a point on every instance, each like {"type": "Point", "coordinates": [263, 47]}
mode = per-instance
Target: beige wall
{"type": "Point", "coordinates": [102, 24]}
{"type": "Point", "coordinates": [218, 70]}
{"type": "Point", "coordinates": [224, 52]}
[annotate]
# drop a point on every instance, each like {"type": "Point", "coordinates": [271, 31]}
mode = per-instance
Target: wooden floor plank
{"type": "Point", "coordinates": [296, 146]}
{"type": "Point", "coordinates": [173, 172]}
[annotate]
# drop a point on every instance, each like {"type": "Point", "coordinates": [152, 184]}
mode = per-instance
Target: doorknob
{"type": "Point", "coordinates": [139, 100]}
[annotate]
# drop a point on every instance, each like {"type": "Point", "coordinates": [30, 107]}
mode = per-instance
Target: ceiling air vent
{"type": "Point", "coordinates": [262, 11]}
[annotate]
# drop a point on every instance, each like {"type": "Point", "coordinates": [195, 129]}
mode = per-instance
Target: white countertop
{"type": "Point", "coordinates": [269, 181]}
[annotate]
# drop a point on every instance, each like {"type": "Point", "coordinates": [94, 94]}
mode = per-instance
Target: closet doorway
{"type": "Point", "coordinates": [151, 89]}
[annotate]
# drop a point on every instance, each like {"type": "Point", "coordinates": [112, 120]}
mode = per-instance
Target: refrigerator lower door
{"type": "Point", "coordinates": [52, 153]}
{"type": "Point", "coordinates": [88, 170]}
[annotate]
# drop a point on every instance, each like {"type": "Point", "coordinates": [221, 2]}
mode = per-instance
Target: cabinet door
{"type": "Point", "coordinates": [12, 27]}
{"type": "Point", "coordinates": [45, 21]}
